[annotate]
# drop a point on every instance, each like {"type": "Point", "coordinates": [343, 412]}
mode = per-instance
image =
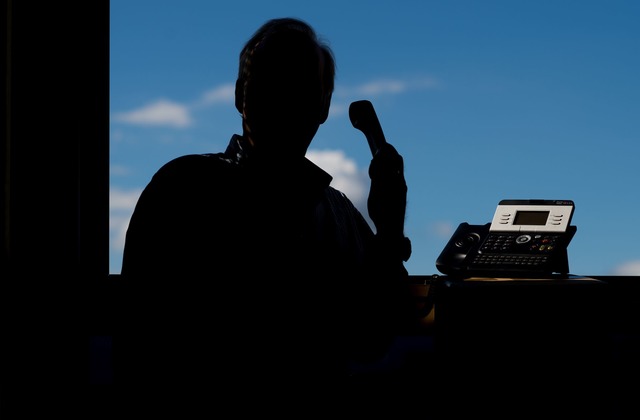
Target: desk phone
{"type": "Point", "coordinates": [526, 238]}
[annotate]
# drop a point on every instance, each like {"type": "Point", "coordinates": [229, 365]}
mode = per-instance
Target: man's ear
{"type": "Point", "coordinates": [324, 112]}
{"type": "Point", "coordinates": [240, 96]}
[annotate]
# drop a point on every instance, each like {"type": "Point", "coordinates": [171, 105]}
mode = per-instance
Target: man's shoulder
{"type": "Point", "coordinates": [195, 164]}
{"type": "Point", "coordinates": [199, 160]}
{"type": "Point", "coordinates": [341, 203]}
{"type": "Point", "coordinates": [334, 195]}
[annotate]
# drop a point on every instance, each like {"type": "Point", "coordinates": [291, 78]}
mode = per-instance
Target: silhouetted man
{"type": "Point", "coordinates": [246, 266]}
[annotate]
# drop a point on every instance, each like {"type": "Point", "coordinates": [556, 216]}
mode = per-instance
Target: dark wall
{"type": "Point", "coordinates": [55, 185]}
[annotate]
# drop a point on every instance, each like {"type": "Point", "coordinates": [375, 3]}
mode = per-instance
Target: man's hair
{"type": "Point", "coordinates": [287, 26]}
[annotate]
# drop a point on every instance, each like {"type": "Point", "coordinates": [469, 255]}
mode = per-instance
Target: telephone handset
{"type": "Point", "coordinates": [526, 238]}
{"type": "Point", "coordinates": [364, 118]}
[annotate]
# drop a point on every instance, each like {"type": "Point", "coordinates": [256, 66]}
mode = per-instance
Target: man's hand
{"type": "Point", "coordinates": [388, 194]}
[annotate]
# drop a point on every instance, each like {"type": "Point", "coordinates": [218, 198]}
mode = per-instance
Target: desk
{"type": "Point", "coordinates": [484, 304]}
{"type": "Point", "coordinates": [530, 345]}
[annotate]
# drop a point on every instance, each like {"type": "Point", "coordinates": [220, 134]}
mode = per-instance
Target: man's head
{"type": "Point", "coordinates": [285, 81]}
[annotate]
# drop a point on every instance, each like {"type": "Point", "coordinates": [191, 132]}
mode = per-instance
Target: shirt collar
{"type": "Point", "coordinates": [239, 151]}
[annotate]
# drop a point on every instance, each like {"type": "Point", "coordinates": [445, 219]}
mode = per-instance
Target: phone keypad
{"type": "Point", "coordinates": [517, 250]}
{"type": "Point", "coordinates": [516, 260]}
{"type": "Point", "coordinates": [521, 242]}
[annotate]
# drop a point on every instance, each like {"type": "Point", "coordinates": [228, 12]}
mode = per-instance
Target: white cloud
{"type": "Point", "coordinates": [376, 88]}
{"type": "Point", "coordinates": [123, 200]}
{"type": "Point", "coordinates": [381, 87]}
{"type": "Point", "coordinates": [337, 109]}
{"type": "Point", "coordinates": [630, 268]}
{"type": "Point", "coordinates": [221, 94]}
{"type": "Point", "coordinates": [119, 170]}
{"type": "Point", "coordinates": [121, 205]}
{"type": "Point", "coordinates": [347, 177]}
{"type": "Point", "coordinates": [387, 87]}
{"type": "Point", "coordinates": [160, 113]}
{"type": "Point", "coordinates": [164, 112]}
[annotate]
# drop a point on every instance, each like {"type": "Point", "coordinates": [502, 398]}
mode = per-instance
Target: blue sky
{"type": "Point", "coordinates": [486, 100]}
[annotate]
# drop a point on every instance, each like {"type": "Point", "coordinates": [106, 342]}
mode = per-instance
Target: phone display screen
{"type": "Point", "coordinates": [531, 218]}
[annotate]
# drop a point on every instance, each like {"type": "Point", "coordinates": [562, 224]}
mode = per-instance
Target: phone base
{"type": "Point", "coordinates": [521, 255]}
